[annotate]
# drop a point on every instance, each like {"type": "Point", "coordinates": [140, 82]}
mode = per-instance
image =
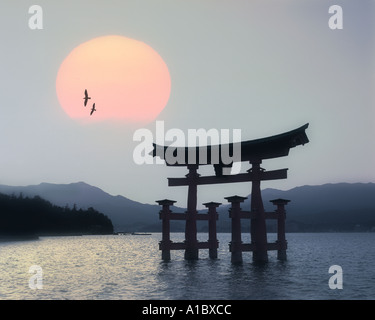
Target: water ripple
{"type": "Point", "coordinates": [129, 267]}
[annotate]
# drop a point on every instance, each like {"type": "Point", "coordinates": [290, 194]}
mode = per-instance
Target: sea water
{"type": "Point", "coordinates": [129, 267]}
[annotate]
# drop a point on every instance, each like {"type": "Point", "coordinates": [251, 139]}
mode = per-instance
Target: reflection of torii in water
{"type": "Point", "coordinates": [93, 109]}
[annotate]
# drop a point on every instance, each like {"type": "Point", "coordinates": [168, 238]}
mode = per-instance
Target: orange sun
{"type": "Point", "coordinates": [125, 78]}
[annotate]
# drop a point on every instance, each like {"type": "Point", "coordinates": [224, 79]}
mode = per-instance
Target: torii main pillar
{"type": "Point", "coordinates": [258, 224]}
{"type": "Point", "coordinates": [191, 251]}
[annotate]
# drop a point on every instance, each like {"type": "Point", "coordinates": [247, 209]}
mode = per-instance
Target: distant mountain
{"type": "Point", "coordinates": [328, 207]}
{"type": "Point", "coordinates": [125, 214]}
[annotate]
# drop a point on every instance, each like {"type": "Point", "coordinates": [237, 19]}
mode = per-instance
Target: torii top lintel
{"type": "Point", "coordinates": [264, 148]}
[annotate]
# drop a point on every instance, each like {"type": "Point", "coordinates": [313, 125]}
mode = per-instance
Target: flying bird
{"type": "Point", "coordinates": [93, 109]}
{"type": "Point", "coordinates": [86, 98]}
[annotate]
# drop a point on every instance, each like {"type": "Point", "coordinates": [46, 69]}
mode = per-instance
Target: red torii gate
{"type": "Point", "coordinates": [254, 152]}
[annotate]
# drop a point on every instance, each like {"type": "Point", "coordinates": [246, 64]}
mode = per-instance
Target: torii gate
{"type": "Point", "coordinates": [254, 152]}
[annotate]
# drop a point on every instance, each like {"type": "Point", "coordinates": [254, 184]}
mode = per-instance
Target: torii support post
{"type": "Point", "coordinates": [258, 224]}
{"type": "Point", "coordinates": [212, 238]}
{"type": "Point", "coordinates": [236, 243]}
{"type": "Point", "coordinates": [165, 243]}
{"type": "Point", "coordinates": [281, 240]}
{"type": "Point", "coordinates": [191, 251]}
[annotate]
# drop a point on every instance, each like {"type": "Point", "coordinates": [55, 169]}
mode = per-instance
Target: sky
{"type": "Point", "coordinates": [264, 67]}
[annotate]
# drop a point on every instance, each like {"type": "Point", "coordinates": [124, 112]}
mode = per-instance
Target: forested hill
{"type": "Point", "coordinates": [24, 218]}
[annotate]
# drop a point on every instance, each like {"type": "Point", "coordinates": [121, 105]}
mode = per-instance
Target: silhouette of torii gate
{"type": "Point", "coordinates": [253, 151]}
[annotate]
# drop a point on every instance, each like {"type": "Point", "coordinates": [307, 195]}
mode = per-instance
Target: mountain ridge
{"type": "Point", "coordinates": [326, 207]}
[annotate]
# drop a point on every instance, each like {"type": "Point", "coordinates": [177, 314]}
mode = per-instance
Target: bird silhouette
{"type": "Point", "coordinates": [86, 98]}
{"type": "Point", "coordinates": [93, 109]}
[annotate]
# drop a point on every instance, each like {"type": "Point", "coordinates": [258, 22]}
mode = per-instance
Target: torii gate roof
{"type": "Point", "coordinates": [258, 149]}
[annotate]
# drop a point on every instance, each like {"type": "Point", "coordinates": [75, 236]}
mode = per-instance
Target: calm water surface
{"type": "Point", "coordinates": [129, 267]}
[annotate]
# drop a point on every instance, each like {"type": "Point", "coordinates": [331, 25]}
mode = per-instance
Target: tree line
{"type": "Point", "coordinates": [26, 217]}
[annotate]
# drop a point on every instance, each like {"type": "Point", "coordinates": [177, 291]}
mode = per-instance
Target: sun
{"type": "Point", "coordinates": [125, 78]}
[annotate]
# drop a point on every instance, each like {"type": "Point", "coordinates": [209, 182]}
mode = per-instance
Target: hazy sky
{"type": "Point", "coordinates": [264, 67]}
